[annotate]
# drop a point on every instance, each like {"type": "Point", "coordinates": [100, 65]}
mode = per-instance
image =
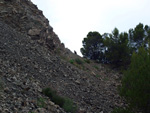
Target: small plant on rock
{"type": "Point", "coordinates": [98, 76]}
{"type": "Point", "coordinates": [53, 96]}
{"type": "Point", "coordinates": [41, 102]}
{"type": "Point", "coordinates": [79, 61]}
{"type": "Point", "coordinates": [69, 106]}
{"type": "Point", "coordinates": [96, 67]}
{"type": "Point", "coordinates": [66, 103]}
{"type": "Point", "coordinates": [87, 61]}
{"type": "Point", "coordinates": [71, 61]}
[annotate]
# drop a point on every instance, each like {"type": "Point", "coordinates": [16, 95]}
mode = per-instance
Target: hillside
{"type": "Point", "coordinates": [32, 58]}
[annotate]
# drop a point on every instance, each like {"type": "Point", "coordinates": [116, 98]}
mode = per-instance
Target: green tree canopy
{"type": "Point", "coordinates": [115, 48]}
{"type": "Point", "coordinates": [92, 46]}
{"type": "Point", "coordinates": [139, 35]}
{"type": "Point", "coordinates": [118, 52]}
{"type": "Point", "coordinates": [136, 81]}
{"type": "Point", "coordinates": [139, 32]}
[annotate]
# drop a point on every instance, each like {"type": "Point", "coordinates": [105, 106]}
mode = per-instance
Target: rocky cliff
{"type": "Point", "coordinates": [25, 17]}
{"type": "Point", "coordinates": [28, 64]}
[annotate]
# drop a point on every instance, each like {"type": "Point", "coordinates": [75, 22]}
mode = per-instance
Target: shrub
{"type": "Point", "coordinates": [78, 61]}
{"type": "Point", "coordinates": [136, 81]}
{"type": "Point", "coordinates": [96, 67]}
{"type": "Point", "coordinates": [69, 106]}
{"type": "Point", "coordinates": [66, 103]}
{"type": "Point", "coordinates": [41, 102]}
{"type": "Point", "coordinates": [53, 96]}
{"type": "Point", "coordinates": [87, 61]}
{"type": "Point", "coordinates": [71, 61]}
{"type": "Point", "coordinates": [58, 100]}
{"type": "Point", "coordinates": [49, 92]}
{"type": "Point", "coordinates": [98, 76]}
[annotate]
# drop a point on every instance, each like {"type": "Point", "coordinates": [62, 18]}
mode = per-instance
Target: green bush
{"type": "Point", "coordinates": [79, 61]}
{"type": "Point", "coordinates": [41, 102]}
{"type": "Point", "coordinates": [96, 67]}
{"type": "Point", "coordinates": [49, 92]}
{"type": "Point", "coordinates": [54, 97]}
{"type": "Point", "coordinates": [87, 61]}
{"type": "Point", "coordinates": [69, 106]}
{"type": "Point", "coordinates": [98, 76]}
{"type": "Point", "coordinates": [58, 100]}
{"type": "Point", "coordinates": [66, 103]}
{"type": "Point", "coordinates": [136, 81]}
{"type": "Point", "coordinates": [71, 61]}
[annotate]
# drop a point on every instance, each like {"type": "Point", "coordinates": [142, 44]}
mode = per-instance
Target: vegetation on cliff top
{"type": "Point", "coordinates": [115, 48]}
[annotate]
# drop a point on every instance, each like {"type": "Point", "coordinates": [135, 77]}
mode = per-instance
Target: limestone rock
{"type": "Point", "coordinates": [34, 32]}
{"type": "Point", "coordinates": [25, 17]}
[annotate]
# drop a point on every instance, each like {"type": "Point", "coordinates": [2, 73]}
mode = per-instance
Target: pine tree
{"type": "Point", "coordinates": [136, 81]}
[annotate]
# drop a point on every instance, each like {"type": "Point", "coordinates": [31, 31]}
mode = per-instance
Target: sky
{"type": "Point", "coordinates": [72, 20]}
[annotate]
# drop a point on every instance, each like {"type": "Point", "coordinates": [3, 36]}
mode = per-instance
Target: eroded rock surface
{"type": "Point", "coordinates": [25, 17]}
{"type": "Point", "coordinates": [28, 64]}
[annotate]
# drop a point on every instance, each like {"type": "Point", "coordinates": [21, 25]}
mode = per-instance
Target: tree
{"type": "Point", "coordinates": [136, 81]}
{"type": "Point", "coordinates": [137, 36]}
{"type": "Point", "coordinates": [92, 46]}
{"type": "Point", "coordinates": [147, 29]}
{"type": "Point", "coordinates": [118, 52]}
{"type": "Point", "coordinates": [115, 48]}
{"type": "Point", "coordinates": [139, 32]}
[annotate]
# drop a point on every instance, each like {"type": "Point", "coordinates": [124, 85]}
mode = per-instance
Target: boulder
{"type": "Point", "coordinates": [34, 32]}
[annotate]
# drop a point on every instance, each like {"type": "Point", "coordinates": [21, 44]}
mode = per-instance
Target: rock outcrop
{"type": "Point", "coordinates": [28, 64]}
{"type": "Point", "coordinates": [20, 59]}
{"type": "Point", "coordinates": [25, 17]}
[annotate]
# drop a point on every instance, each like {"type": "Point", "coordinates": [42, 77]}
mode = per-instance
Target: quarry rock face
{"type": "Point", "coordinates": [20, 90]}
{"type": "Point", "coordinates": [25, 17]}
{"type": "Point", "coordinates": [28, 65]}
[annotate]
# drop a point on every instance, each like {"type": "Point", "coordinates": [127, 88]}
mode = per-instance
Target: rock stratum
{"type": "Point", "coordinates": [32, 57]}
